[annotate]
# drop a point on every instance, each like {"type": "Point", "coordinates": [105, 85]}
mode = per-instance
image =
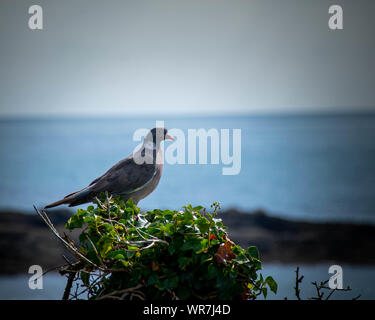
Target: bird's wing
{"type": "Point", "coordinates": [124, 177]}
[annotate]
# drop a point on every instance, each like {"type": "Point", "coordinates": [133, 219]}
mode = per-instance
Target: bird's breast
{"type": "Point", "coordinates": [159, 158]}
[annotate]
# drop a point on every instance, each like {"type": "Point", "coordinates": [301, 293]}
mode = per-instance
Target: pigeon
{"type": "Point", "coordinates": [133, 177]}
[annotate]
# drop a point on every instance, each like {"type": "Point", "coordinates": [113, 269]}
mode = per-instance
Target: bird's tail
{"type": "Point", "coordinates": [73, 199]}
{"type": "Point", "coordinates": [57, 203]}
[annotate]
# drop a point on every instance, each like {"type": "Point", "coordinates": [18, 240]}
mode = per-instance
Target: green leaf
{"type": "Point", "coordinates": [264, 290]}
{"type": "Point", "coordinates": [212, 271]}
{"type": "Point", "coordinates": [130, 203]}
{"type": "Point", "coordinates": [153, 279]}
{"type": "Point", "coordinates": [88, 219]}
{"type": "Point", "coordinates": [183, 262]}
{"type": "Point", "coordinates": [85, 277]}
{"type": "Point", "coordinates": [192, 244]}
{"type": "Point", "coordinates": [272, 284]}
{"type": "Point", "coordinates": [74, 222]}
{"type": "Point", "coordinates": [133, 248]}
{"type": "Point", "coordinates": [171, 249]}
{"type": "Point", "coordinates": [169, 228]}
{"type": "Point", "coordinates": [203, 225]}
{"type": "Point", "coordinates": [124, 263]}
{"type": "Point", "coordinates": [188, 217]}
{"type": "Point", "coordinates": [106, 247]}
{"type": "Point", "coordinates": [171, 282]}
{"type": "Point", "coordinates": [198, 208]}
{"type": "Point", "coordinates": [183, 292]}
{"type": "Point", "coordinates": [117, 254]}
{"type": "Point", "coordinates": [253, 252]}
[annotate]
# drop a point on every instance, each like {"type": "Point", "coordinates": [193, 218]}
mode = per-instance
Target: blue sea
{"type": "Point", "coordinates": [305, 167]}
{"type": "Point", "coordinates": [317, 168]}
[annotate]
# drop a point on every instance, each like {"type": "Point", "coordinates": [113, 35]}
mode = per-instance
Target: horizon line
{"type": "Point", "coordinates": [289, 113]}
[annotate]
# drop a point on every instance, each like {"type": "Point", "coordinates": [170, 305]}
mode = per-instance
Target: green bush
{"type": "Point", "coordinates": [162, 254]}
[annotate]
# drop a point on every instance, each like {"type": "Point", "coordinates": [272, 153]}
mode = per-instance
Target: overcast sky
{"type": "Point", "coordinates": [185, 56]}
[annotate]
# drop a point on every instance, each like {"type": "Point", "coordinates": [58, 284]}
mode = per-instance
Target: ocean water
{"type": "Point", "coordinates": [301, 167]}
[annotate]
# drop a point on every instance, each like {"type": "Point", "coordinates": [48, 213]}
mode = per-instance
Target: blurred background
{"type": "Point", "coordinates": [72, 95]}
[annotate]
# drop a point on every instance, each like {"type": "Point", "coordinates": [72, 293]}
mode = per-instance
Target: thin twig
{"type": "Point", "coordinates": [114, 294]}
{"type": "Point", "coordinates": [74, 250]}
{"type": "Point", "coordinates": [68, 286]}
{"type": "Point", "coordinates": [299, 279]}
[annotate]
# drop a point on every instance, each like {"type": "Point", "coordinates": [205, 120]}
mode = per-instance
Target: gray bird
{"type": "Point", "coordinates": [133, 177]}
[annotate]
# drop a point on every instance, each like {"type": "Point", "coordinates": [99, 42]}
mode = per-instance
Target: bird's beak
{"type": "Point", "coordinates": [169, 137]}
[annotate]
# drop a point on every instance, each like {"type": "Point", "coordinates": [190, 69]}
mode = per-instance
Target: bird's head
{"type": "Point", "coordinates": [157, 135]}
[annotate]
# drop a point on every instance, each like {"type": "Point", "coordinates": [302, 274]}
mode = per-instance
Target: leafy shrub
{"type": "Point", "coordinates": [161, 254]}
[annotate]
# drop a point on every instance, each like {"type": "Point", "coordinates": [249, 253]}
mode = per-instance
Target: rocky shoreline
{"type": "Point", "coordinates": [25, 239]}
